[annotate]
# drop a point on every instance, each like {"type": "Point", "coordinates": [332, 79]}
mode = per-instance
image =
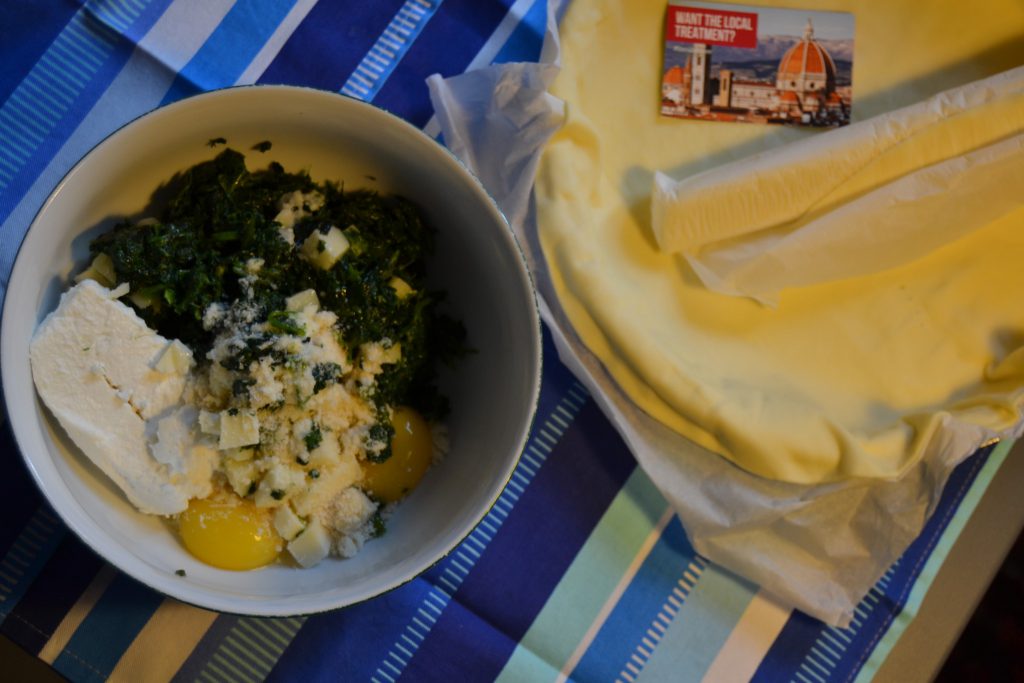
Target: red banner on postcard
{"type": "Point", "coordinates": [711, 26]}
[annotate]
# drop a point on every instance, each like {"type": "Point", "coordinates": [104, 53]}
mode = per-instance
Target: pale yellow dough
{"type": "Point", "coordinates": [849, 379]}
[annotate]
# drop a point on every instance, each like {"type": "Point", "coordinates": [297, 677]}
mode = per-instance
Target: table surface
{"type": "Point", "coordinates": [963, 579]}
{"type": "Point", "coordinates": [579, 594]}
{"type": "Point", "coordinates": [920, 653]}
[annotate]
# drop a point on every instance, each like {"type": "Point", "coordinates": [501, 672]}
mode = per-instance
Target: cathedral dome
{"type": "Point", "coordinates": [807, 66]}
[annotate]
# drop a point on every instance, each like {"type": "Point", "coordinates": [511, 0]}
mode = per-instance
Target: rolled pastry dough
{"type": "Point", "coordinates": [856, 378]}
{"type": "Point", "coordinates": [819, 173]}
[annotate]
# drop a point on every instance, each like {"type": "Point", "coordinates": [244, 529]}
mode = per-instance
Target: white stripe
{"type": "Point", "coordinates": [811, 672]}
{"type": "Point", "coordinates": [751, 637]}
{"type": "Point", "coordinates": [277, 39]}
{"type": "Point", "coordinates": [839, 632]}
{"type": "Point", "coordinates": [615, 595]}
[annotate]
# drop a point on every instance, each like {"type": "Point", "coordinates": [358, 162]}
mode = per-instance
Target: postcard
{"type": "Point", "coordinates": [726, 62]}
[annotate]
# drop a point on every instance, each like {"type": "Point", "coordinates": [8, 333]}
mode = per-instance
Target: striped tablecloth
{"type": "Point", "coordinates": [581, 571]}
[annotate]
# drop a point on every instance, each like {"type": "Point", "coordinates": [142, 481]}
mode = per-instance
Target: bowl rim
{"type": "Point", "coordinates": [278, 606]}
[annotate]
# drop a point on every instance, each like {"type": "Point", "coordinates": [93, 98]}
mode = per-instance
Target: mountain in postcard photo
{"type": "Point", "coordinates": [770, 69]}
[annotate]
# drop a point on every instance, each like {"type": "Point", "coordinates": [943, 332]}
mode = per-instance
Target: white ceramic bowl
{"type": "Point", "coordinates": [493, 392]}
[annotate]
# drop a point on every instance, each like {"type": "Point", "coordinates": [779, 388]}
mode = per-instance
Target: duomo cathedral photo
{"type": "Point", "coordinates": [805, 89]}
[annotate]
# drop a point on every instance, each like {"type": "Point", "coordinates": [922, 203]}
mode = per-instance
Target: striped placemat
{"type": "Point", "coordinates": [580, 572]}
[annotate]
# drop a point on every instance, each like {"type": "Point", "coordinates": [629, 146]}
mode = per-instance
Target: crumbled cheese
{"type": "Point", "coordinates": [349, 516]}
{"type": "Point", "coordinates": [209, 422]}
{"type": "Point", "coordinates": [292, 208]}
{"type": "Point", "coordinates": [238, 428]}
{"type": "Point", "coordinates": [213, 315]}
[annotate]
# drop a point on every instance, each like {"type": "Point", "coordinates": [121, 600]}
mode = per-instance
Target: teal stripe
{"type": "Point", "coordinates": [27, 556]}
{"type": "Point", "coordinates": [231, 47]}
{"type": "Point", "coordinates": [635, 627]}
{"type": "Point", "coordinates": [108, 630]}
{"type": "Point", "coordinates": [700, 628]}
{"type": "Point", "coordinates": [587, 584]}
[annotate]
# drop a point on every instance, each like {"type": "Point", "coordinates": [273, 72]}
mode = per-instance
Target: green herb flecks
{"type": "Point", "coordinates": [282, 321]}
{"type": "Point", "coordinates": [314, 437]}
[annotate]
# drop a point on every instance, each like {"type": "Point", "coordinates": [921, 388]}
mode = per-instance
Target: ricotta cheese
{"type": "Point", "coordinates": [94, 366]}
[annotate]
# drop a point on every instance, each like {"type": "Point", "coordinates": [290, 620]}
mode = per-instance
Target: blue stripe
{"type": "Point", "coordinates": [108, 630]}
{"type": "Point", "coordinates": [331, 40]}
{"type": "Point", "coordinates": [407, 24]}
{"type": "Point", "coordinates": [230, 48]}
{"type": "Point", "coordinates": [525, 43]}
{"type": "Point", "coordinates": [27, 556]}
{"type": "Point", "coordinates": [643, 599]}
{"type": "Point", "coordinates": [22, 48]}
{"type": "Point", "coordinates": [792, 650]}
{"type": "Point", "coordinates": [38, 613]}
{"type": "Point", "coordinates": [585, 471]}
{"type": "Point", "coordinates": [20, 496]}
{"type": "Point", "coordinates": [350, 640]}
{"type": "Point", "coordinates": [447, 45]}
{"type": "Point", "coordinates": [32, 140]}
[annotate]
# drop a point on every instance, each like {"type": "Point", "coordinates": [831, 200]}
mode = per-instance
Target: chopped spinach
{"type": "Point", "coordinates": [313, 438]}
{"type": "Point", "coordinates": [325, 374]}
{"type": "Point", "coordinates": [221, 215]}
{"type": "Point", "coordinates": [282, 321]}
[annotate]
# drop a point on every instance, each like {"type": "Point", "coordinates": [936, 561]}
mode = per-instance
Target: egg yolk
{"type": "Point", "coordinates": [411, 451]}
{"type": "Point", "coordinates": [229, 533]}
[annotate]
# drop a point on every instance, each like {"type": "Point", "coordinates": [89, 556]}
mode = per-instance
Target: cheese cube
{"type": "Point", "coordinates": [120, 290]}
{"type": "Point", "coordinates": [311, 545]}
{"type": "Point", "coordinates": [239, 454]}
{"type": "Point", "coordinates": [176, 358]}
{"type": "Point", "coordinates": [104, 265]}
{"type": "Point", "coordinates": [401, 287]}
{"type": "Point", "coordinates": [101, 270]}
{"type": "Point", "coordinates": [209, 423]}
{"type": "Point", "coordinates": [240, 474]}
{"type": "Point", "coordinates": [391, 354]}
{"type": "Point", "coordinates": [323, 251]}
{"type": "Point", "coordinates": [141, 300]}
{"type": "Point", "coordinates": [298, 302]}
{"type": "Point", "coordinates": [287, 523]}
{"type": "Point", "coordinates": [278, 484]}
{"type": "Point", "coordinates": [240, 429]}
